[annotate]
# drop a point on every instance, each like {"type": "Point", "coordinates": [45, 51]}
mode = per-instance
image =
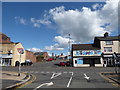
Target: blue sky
{"type": "Point", "coordinates": [45, 25]}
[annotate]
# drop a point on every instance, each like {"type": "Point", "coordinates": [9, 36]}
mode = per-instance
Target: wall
{"type": "Point", "coordinates": [45, 55]}
{"type": "Point", "coordinates": [30, 56]}
{"type": "Point", "coordinates": [115, 46]}
{"type": "Point", "coordinates": [16, 55]}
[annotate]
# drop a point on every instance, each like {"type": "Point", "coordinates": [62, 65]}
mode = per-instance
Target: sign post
{"type": "Point", "coordinates": [21, 51]}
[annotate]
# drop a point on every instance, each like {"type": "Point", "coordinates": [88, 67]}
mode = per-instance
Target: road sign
{"type": "Point", "coordinates": [20, 50]}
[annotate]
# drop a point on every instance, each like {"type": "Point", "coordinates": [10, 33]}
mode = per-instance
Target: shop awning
{"type": "Point", "coordinates": [7, 56]}
{"type": "Point", "coordinates": [107, 55]}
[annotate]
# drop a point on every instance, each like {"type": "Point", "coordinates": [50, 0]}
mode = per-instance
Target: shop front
{"type": "Point", "coordinates": [87, 58]}
{"type": "Point", "coordinates": [86, 61]}
{"type": "Point", "coordinates": [110, 60]}
{"type": "Point", "coordinates": [5, 60]}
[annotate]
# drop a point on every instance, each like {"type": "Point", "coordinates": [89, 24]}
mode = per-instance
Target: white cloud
{"type": "Point", "coordinates": [38, 22]}
{"type": "Point", "coordinates": [97, 6]}
{"type": "Point", "coordinates": [85, 24]}
{"type": "Point", "coordinates": [61, 43]}
{"type": "Point", "coordinates": [21, 20]}
{"type": "Point", "coordinates": [35, 50]}
{"type": "Point", "coordinates": [36, 25]}
{"type": "Point", "coordinates": [33, 20]}
{"type": "Point", "coordinates": [44, 22]}
{"type": "Point", "coordinates": [53, 47]}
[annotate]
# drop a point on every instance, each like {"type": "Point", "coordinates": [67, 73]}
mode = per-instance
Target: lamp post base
{"type": "Point", "coordinates": [18, 74]}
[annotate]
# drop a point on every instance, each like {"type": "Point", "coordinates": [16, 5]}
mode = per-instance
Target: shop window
{"type": "Point", "coordinates": [97, 61]}
{"type": "Point", "coordinates": [107, 49]}
{"type": "Point", "coordinates": [109, 42]}
{"type": "Point", "coordinates": [86, 61]}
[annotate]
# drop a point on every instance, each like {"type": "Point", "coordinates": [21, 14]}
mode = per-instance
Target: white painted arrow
{"type": "Point", "coordinates": [86, 77]}
{"type": "Point", "coordinates": [55, 75]}
{"type": "Point", "coordinates": [47, 84]}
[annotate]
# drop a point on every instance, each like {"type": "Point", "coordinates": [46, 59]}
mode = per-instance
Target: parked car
{"type": "Point", "coordinates": [49, 59]}
{"type": "Point", "coordinates": [27, 63]}
{"type": "Point", "coordinates": [68, 63]}
{"type": "Point", "coordinates": [62, 64]}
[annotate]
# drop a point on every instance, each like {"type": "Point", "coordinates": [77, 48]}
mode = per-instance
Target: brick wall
{"type": "Point", "coordinates": [31, 56]}
{"type": "Point", "coordinates": [4, 38]}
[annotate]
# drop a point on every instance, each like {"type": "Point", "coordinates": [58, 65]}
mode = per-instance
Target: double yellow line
{"type": "Point", "coordinates": [33, 79]}
{"type": "Point", "coordinates": [111, 81]}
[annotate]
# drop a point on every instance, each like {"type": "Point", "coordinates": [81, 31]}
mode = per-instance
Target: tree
{"type": "Point", "coordinates": [40, 58]}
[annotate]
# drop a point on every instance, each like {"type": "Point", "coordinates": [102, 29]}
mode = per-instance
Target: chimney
{"type": "Point", "coordinates": [106, 34]}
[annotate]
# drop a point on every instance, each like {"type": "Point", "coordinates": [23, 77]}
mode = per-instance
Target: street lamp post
{"type": "Point", "coordinates": [69, 47]}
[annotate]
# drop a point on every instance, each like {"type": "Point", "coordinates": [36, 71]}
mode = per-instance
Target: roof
{"type": "Point", "coordinates": [84, 47]}
{"type": "Point", "coordinates": [111, 38]}
{"type": "Point", "coordinates": [39, 53]}
{"type": "Point", "coordinates": [10, 43]}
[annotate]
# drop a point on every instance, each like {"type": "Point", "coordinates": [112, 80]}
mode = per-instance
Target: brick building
{"type": "Point", "coordinates": [30, 56]}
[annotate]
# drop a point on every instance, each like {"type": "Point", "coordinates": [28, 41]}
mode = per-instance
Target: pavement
{"type": "Point", "coordinates": [11, 80]}
{"type": "Point", "coordinates": [112, 76]}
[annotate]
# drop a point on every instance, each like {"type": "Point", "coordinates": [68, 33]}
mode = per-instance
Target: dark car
{"type": "Point", "coordinates": [62, 64]}
{"type": "Point", "coordinates": [68, 63]}
{"type": "Point", "coordinates": [27, 63]}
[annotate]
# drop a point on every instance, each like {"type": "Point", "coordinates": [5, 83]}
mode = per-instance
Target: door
{"type": "Point", "coordinates": [92, 62]}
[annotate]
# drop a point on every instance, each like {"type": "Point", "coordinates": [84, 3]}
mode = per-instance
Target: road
{"type": "Point", "coordinates": [49, 75]}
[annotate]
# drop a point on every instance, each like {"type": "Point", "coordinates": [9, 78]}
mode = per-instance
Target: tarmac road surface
{"type": "Point", "coordinates": [65, 77]}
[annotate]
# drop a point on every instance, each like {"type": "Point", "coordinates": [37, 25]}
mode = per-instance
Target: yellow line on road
{"type": "Point", "coordinates": [33, 79]}
{"type": "Point", "coordinates": [111, 81]}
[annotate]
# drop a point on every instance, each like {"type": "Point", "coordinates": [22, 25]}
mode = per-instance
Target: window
{"type": "Point", "coordinates": [109, 42]}
{"type": "Point", "coordinates": [107, 49]}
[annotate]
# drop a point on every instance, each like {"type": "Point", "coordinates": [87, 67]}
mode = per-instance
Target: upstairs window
{"type": "Point", "coordinates": [107, 49]}
{"type": "Point", "coordinates": [109, 42]}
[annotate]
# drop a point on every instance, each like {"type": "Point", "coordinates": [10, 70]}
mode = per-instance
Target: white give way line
{"type": "Point", "coordinates": [55, 75]}
{"type": "Point", "coordinates": [47, 84]}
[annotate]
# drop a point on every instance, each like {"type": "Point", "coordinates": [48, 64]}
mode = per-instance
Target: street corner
{"type": "Point", "coordinates": [29, 79]}
{"type": "Point", "coordinates": [16, 81]}
{"type": "Point", "coordinates": [10, 75]}
{"type": "Point", "coordinates": [112, 77]}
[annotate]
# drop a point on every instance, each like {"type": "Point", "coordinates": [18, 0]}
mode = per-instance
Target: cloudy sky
{"type": "Point", "coordinates": [44, 26]}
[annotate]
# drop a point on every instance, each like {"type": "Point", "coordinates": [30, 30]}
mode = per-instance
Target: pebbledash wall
{"type": "Point", "coordinates": [98, 54]}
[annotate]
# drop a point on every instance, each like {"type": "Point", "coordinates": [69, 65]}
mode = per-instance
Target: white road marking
{"type": "Point", "coordinates": [47, 72]}
{"type": "Point", "coordinates": [36, 72]}
{"type": "Point", "coordinates": [47, 84]}
{"type": "Point", "coordinates": [55, 75]}
{"type": "Point", "coordinates": [52, 72]}
{"type": "Point", "coordinates": [31, 71]}
{"type": "Point", "coordinates": [42, 72]}
{"type": "Point", "coordinates": [64, 72]}
{"type": "Point", "coordinates": [70, 79]}
{"type": "Point", "coordinates": [86, 77]}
